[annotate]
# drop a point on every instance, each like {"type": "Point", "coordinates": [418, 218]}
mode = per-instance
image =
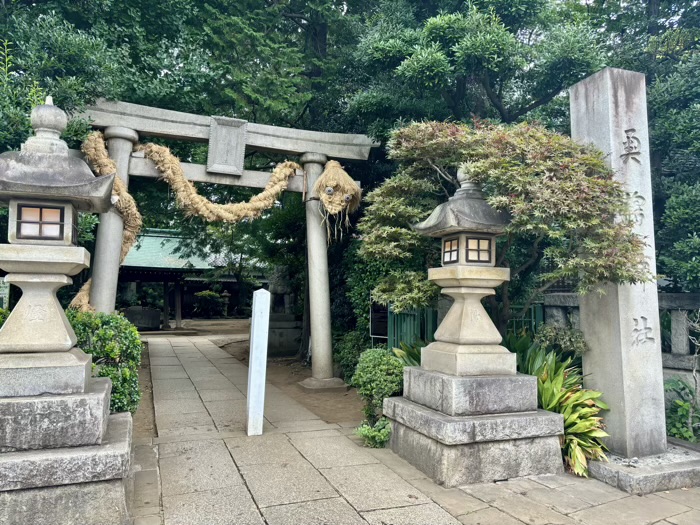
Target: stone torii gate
{"type": "Point", "coordinates": [229, 139]}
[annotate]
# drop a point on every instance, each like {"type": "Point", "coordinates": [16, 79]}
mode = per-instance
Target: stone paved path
{"type": "Point", "coordinates": [203, 470]}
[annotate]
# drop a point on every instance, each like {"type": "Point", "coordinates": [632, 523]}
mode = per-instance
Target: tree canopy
{"type": "Point", "coordinates": [370, 66]}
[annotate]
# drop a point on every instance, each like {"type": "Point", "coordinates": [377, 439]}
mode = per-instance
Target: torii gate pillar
{"type": "Point", "coordinates": [319, 287]}
{"type": "Point", "coordinates": [108, 246]}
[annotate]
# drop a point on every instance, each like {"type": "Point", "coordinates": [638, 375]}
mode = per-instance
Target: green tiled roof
{"type": "Point", "coordinates": [156, 249]}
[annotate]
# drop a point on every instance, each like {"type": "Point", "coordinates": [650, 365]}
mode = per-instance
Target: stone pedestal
{"type": "Point", "coordinates": [73, 485]}
{"type": "Point", "coordinates": [473, 429]}
{"type": "Point", "coordinates": [285, 332]}
{"type": "Point", "coordinates": [466, 416]}
{"type": "Point", "coordinates": [57, 449]}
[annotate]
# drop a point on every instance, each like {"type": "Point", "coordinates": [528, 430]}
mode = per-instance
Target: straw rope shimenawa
{"type": "Point", "coordinates": [338, 194]}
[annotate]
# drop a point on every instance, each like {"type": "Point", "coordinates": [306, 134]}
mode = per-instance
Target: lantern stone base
{"type": "Point", "coordinates": [473, 429]}
{"type": "Point", "coordinates": [41, 422]}
{"type": "Point", "coordinates": [455, 465]}
{"type": "Point", "coordinates": [468, 360]}
{"type": "Point", "coordinates": [98, 503]}
{"type": "Point", "coordinates": [67, 466]}
{"type": "Point", "coordinates": [74, 485]}
{"type": "Point", "coordinates": [470, 395]}
{"type": "Point", "coordinates": [36, 374]}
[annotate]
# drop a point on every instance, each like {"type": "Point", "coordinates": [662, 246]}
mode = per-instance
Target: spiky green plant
{"type": "Point", "coordinates": [560, 389]}
{"type": "Point", "coordinates": [409, 354]}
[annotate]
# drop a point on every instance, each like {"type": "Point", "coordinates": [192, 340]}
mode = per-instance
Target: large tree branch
{"type": "Point", "coordinates": [494, 98]}
{"type": "Point", "coordinates": [534, 256]}
{"type": "Point", "coordinates": [537, 103]}
{"type": "Point", "coordinates": [502, 257]}
{"type": "Point", "coordinates": [441, 172]}
{"type": "Point", "coordinates": [534, 296]}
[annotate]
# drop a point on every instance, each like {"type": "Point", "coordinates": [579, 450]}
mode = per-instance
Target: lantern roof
{"type": "Point", "coordinates": [46, 169]}
{"type": "Point", "coordinates": [466, 211]}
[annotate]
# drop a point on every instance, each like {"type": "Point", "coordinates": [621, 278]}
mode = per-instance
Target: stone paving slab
{"type": "Point", "coordinates": [270, 449]}
{"type": "Point", "coordinates": [631, 510]}
{"type": "Point", "coordinates": [687, 518]}
{"type": "Point", "coordinates": [168, 372]}
{"type": "Point", "coordinates": [333, 452]}
{"type": "Point", "coordinates": [221, 395]}
{"type": "Point", "coordinates": [529, 511]}
{"type": "Point", "coordinates": [278, 484]}
{"type": "Point", "coordinates": [178, 406]}
{"type": "Point", "coordinates": [165, 361]}
{"type": "Point", "coordinates": [335, 511]}
{"type": "Point", "coordinates": [188, 423]}
{"type": "Point", "coordinates": [689, 497]}
{"type": "Point", "coordinates": [429, 513]}
{"type": "Point", "coordinates": [195, 467]}
{"type": "Point", "coordinates": [229, 506]}
{"type": "Point", "coordinates": [372, 487]}
{"type": "Point", "coordinates": [306, 471]}
{"type": "Point", "coordinates": [489, 516]}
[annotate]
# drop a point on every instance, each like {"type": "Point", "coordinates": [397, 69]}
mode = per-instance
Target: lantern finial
{"type": "Point", "coordinates": [48, 122]}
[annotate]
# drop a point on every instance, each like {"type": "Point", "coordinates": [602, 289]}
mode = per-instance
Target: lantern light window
{"type": "Point", "coordinates": [450, 252]}
{"type": "Point", "coordinates": [40, 222]}
{"type": "Point", "coordinates": [479, 250]}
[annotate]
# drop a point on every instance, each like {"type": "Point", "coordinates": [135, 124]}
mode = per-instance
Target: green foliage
{"type": "Point", "coordinates": [116, 350]}
{"type": "Point", "coordinates": [560, 389]}
{"type": "Point", "coordinates": [565, 342]}
{"type": "Point", "coordinates": [377, 435]}
{"type": "Point", "coordinates": [682, 416]}
{"type": "Point", "coordinates": [379, 375]}
{"type": "Point", "coordinates": [455, 61]}
{"type": "Point", "coordinates": [409, 354]}
{"type": "Point", "coordinates": [560, 195]}
{"type": "Point", "coordinates": [3, 315]}
{"type": "Point", "coordinates": [678, 238]}
{"type": "Point", "coordinates": [405, 291]}
{"type": "Point", "coordinates": [209, 304]}
{"type": "Point", "coordinates": [347, 351]}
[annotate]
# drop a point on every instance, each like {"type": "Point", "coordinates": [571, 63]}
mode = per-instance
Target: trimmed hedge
{"type": "Point", "coordinates": [116, 348]}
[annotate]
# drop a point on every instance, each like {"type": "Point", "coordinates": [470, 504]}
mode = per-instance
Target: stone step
{"type": "Point", "coordinates": [55, 421]}
{"type": "Point", "coordinates": [459, 430]}
{"type": "Point", "coordinates": [65, 466]}
{"type": "Point", "coordinates": [470, 395]}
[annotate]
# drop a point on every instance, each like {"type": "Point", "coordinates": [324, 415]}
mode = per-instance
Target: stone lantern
{"type": "Point", "coordinates": [467, 342]}
{"type": "Point", "coordinates": [466, 416]}
{"type": "Point", "coordinates": [62, 456]}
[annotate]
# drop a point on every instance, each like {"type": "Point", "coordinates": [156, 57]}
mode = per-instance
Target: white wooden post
{"type": "Point", "coordinates": [257, 365]}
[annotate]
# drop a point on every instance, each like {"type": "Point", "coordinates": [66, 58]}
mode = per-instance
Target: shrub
{"type": "Point", "coordinates": [377, 435]}
{"type": "Point", "coordinates": [3, 315]}
{"type": "Point", "coordinates": [348, 349]}
{"type": "Point", "coordinates": [682, 414]}
{"type": "Point", "coordinates": [209, 304]}
{"type": "Point", "coordinates": [564, 341]}
{"type": "Point", "coordinates": [379, 375]}
{"type": "Point", "coordinates": [116, 350]}
{"type": "Point", "coordinates": [560, 389]}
